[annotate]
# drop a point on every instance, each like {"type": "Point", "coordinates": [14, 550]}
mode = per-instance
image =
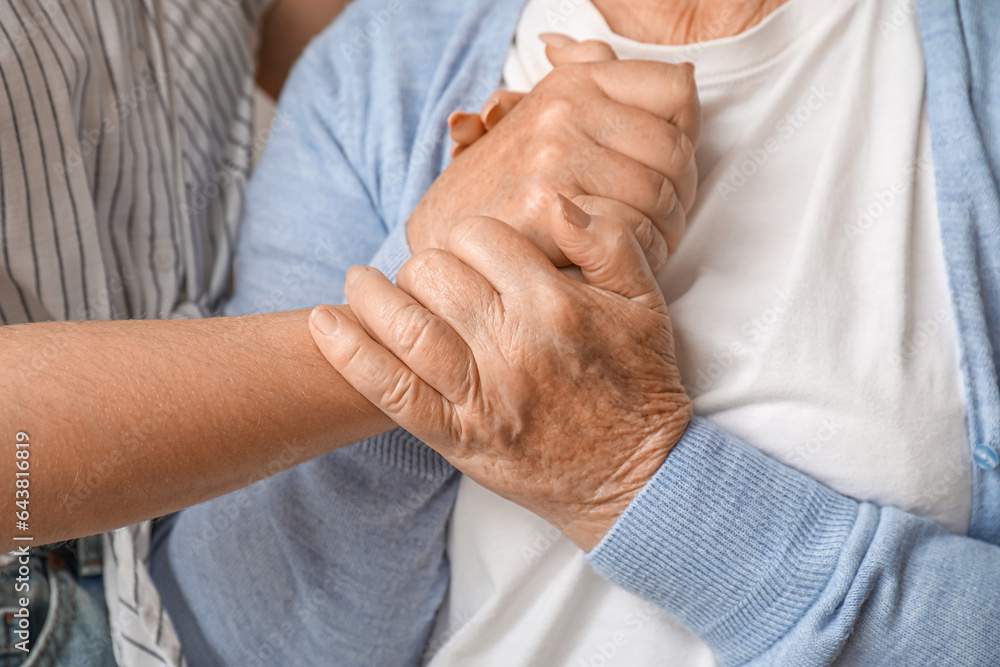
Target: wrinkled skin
{"type": "Point", "coordinates": [595, 128]}
{"type": "Point", "coordinates": [467, 128]}
{"type": "Point", "coordinates": [562, 397]}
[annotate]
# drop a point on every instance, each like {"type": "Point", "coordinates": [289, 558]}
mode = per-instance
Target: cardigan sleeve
{"type": "Point", "coordinates": [768, 566]}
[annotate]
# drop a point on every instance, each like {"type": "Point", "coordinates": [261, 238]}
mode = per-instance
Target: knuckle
{"type": "Point", "coordinates": [538, 199]}
{"type": "Point", "coordinates": [417, 268]}
{"type": "Point", "coordinates": [685, 89]}
{"type": "Point", "coordinates": [398, 393]}
{"type": "Point", "coordinates": [658, 252]}
{"type": "Point", "coordinates": [595, 50]}
{"type": "Point", "coordinates": [682, 151]}
{"type": "Point", "coordinates": [618, 239]}
{"type": "Point", "coordinates": [549, 294]}
{"type": "Point", "coordinates": [567, 318]}
{"type": "Point", "coordinates": [466, 232]}
{"type": "Point", "coordinates": [424, 261]}
{"type": "Point", "coordinates": [546, 157]}
{"type": "Point", "coordinates": [666, 198]}
{"type": "Point", "coordinates": [563, 310]}
{"type": "Point", "coordinates": [555, 113]}
{"type": "Point", "coordinates": [644, 234]}
{"type": "Point", "coordinates": [622, 242]}
{"type": "Point", "coordinates": [352, 355]}
{"type": "Point", "coordinates": [408, 271]}
{"type": "Point", "coordinates": [553, 79]}
{"type": "Point", "coordinates": [409, 326]}
{"type": "Point", "coordinates": [565, 74]}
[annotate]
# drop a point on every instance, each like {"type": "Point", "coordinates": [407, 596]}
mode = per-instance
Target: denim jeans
{"type": "Point", "coordinates": [67, 618]}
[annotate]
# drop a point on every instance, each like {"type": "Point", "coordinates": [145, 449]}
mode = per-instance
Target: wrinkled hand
{"type": "Point", "coordinates": [562, 397]}
{"type": "Point", "coordinates": [620, 130]}
{"type": "Point", "coordinates": [467, 128]}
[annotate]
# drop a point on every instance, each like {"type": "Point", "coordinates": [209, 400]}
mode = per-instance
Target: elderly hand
{"type": "Point", "coordinates": [562, 397]}
{"type": "Point", "coordinates": [618, 130]}
{"type": "Point", "coordinates": [467, 128]}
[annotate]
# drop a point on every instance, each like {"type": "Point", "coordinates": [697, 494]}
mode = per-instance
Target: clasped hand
{"type": "Point", "coordinates": [597, 130]}
{"type": "Point", "coordinates": [563, 397]}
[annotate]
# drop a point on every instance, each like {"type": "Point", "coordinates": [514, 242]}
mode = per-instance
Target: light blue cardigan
{"type": "Point", "coordinates": [765, 564]}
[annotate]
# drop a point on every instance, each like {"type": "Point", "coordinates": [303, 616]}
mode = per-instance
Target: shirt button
{"type": "Point", "coordinates": [986, 457]}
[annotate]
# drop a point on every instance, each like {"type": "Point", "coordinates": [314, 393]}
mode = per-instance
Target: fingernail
{"type": "Point", "coordinates": [455, 119]}
{"type": "Point", "coordinates": [689, 65]}
{"type": "Point", "coordinates": [573, 213]}
{"type": "Point", "coordinates": [324, 320]}
{"type": "Point", "coordinates": [489, 112]}
{"type": "Point", "coordinates": [462, 121]}
{"type": "Point", "coordinates": [556, 40]}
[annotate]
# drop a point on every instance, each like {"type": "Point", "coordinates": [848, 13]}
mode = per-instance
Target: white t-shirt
{"type": "Point", "coordinates": [810, 306]}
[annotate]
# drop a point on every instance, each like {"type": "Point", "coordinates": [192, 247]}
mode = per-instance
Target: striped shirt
{"type": "Point", "coordinates": [125, 143]}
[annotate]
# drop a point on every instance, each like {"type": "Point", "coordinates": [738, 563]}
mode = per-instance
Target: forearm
{"type": "Point", "coordinates": [132, 420]}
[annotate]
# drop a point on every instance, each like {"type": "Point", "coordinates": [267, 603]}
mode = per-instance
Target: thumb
{"type": "Point", "coordinates": [561, 49]}
{"type": "Point", "coordinates": [609, 255]}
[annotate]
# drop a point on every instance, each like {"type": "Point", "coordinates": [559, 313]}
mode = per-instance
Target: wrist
{"type": "Point", "coordinates": [593, 521]}
{"type": "Point", "coordinates": [420, 234]}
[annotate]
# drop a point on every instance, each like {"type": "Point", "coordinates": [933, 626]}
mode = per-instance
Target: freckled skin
{"type": "Point", "coordinates": [582, 132]}
{"type": "Point", "coordinates": [593, 393]}
{"type": "Point", "coordinates": [560, 396]}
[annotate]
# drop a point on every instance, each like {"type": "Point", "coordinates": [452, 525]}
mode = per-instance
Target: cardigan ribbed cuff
{"type": "Point", "coordinates": [403, 451]}
{"type": "Point", "coordinates": [735, 544]}
{"type": "Point", "coordinates": [393, 253]}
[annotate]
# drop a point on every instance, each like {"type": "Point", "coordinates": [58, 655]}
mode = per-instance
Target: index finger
{"type": "Point", "coordinates": [665, 90]}
{"type": "Point", "coordinates": [500, 254]}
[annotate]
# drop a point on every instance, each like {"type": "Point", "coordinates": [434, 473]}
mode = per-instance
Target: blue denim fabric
{"type": "Point", "coordinates": [764, 563]}
{"type": "Point", "coordinates": [68, 619]}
